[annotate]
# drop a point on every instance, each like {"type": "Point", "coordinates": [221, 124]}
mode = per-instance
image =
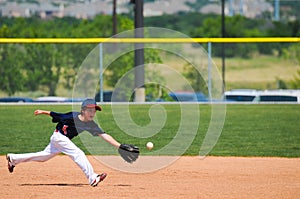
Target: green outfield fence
{"type": "Point", "coordinates": [150, 40]}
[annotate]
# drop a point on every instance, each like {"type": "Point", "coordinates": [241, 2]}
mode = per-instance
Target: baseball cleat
{"type": "Point", "coordinates": [98, 179]}
{"type": "Point", "coordinates": [10, 165]}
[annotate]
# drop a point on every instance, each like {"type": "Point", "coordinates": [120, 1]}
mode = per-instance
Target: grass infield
{"type": "Point", "coordinates": [249, 130]}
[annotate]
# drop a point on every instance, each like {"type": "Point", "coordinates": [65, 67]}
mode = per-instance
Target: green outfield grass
{"type": "Point", "coordinates": [249, 130]}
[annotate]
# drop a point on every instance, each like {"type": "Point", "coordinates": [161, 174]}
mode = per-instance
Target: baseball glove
{"type": "Point", "coordinates": [129, 152]}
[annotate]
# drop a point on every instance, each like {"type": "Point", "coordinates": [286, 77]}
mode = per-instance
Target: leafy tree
{"type": "Point", "coordinates": [236, 26]}
{"type": "Point", "coordinates": [296, 82]}
{"type": "Point", "coordinates": [120, 67]}
{"type": "Point", "coordinates": [280, 29]}
{"type": "Point", "coordinates": [210, 28]}
{"type": "Point", "coordinates": [11, 79]}
{"type": "Point", "coordinates": [43, 67]}
{"type": "Point", "coordinates": [196, 80]}
{"type": "Point", "coordinates": [293, 52]}
{"type": "Point", "coordinates": [182, 22]}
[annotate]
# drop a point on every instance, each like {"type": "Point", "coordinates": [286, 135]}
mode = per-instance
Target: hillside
{"type": "Point", "coordinates": [261, 72]}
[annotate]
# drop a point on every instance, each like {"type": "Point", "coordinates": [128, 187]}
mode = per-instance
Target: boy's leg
{"type": "Point", "coordinates": [49, 152]}
{"type": "Point", "coordinates": [66, 146]}
{"type": "Point", "coordinates": [41, 156]}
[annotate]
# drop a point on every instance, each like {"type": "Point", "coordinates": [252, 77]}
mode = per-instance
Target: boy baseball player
{"type": "Point", "coordinates": [68, 126]}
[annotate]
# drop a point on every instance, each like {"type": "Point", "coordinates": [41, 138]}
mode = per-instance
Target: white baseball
{"type": "Point", "coordinates": [149, 145]}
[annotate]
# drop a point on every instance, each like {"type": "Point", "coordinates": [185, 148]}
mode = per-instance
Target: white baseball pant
{"type": "Point", "coordinates": [58, 144]}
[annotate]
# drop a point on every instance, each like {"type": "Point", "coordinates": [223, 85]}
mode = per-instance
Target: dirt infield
{"type": "Point", "coordinates": [188, 177]}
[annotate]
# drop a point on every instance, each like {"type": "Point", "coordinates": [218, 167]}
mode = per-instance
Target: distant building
{"type": "Point", "coordinates": [44, 10]}
{"type": "Point", "coordinates": [160, 7]}
{"type": "Point", "coordinates": [90, 8]}
{"type": "Point", "coordinates": [247, 8]}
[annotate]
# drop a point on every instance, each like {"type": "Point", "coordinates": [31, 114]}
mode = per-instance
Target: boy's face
{"type": "Point", "coordinates": [88, 114]}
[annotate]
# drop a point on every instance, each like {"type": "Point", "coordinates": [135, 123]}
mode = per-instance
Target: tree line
{"type": "Point", "coordinates": [32, 67]}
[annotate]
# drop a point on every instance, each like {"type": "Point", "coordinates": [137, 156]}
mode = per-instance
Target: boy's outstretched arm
{"type": "Point", "coordinates": [108, 138]}
{"type": "Point", "coordinates": [39, 112]}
